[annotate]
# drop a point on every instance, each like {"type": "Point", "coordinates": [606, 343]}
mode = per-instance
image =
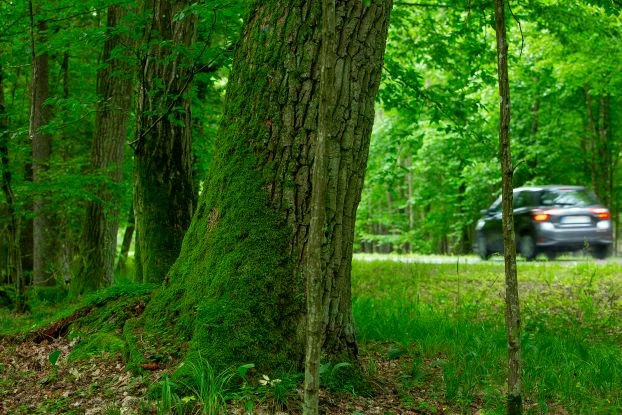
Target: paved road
{"type": "Point", "coordinates": [472, 259]}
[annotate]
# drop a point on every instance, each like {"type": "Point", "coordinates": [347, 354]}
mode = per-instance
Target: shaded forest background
{"type": "Point", "coordinates": [433, 159]}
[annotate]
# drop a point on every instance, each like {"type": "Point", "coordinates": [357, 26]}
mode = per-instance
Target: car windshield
{"type": "Point", "coordinates": [568, 197]}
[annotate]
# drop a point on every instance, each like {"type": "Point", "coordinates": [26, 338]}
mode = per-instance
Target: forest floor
{"type": "Point", "coordinates": [101, 385]}
{"type": "Point", "coordinates": [431, 340]}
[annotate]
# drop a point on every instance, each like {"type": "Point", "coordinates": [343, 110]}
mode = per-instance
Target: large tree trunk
{"type": "Point", "coordinates": [43, 239]}
{"type": "Point", "coordinates": [237, 289]}
{"type": "Point", "coordinates": [163, 187]}
{"type": "Point", "coordinates": [99, 238]}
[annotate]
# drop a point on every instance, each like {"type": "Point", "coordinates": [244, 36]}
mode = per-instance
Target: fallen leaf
{"type": "Point", "coordinates": [150, 366]}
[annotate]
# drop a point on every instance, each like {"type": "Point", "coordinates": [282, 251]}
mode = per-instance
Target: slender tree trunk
{"type": "Point", "coordinates": [25, 234]}
{"type": "Point", "coordinates": [535, 126]}
{"type": "Point", "coordinates": [241, 266]}
{"type": "Point", "coordinates": [605, 153]}
{"type": "Point", "coordinates": [127, 241]}
{"type": "Point", "coordinates": [410, 206]}
{"type": "Point", "coordinates": [512, 311]}
{"type": "Point", "coordinates": [99, 236]}
{"type": "Point", "coordinates": [163, 184]}
{"type": "Point", "coordinates": [312, 265]}
{"type": "Point", "coordinates": [591, 145]}
{"type": "Point", "coordinates": [14, 227]}
{"type": "Point", "coordinates": [67, 237]}
{"type": "Point", "coordinates": [43, 239]}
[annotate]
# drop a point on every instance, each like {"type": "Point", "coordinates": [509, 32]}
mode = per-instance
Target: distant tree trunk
{"type": "Point", "coordinates": [238, 285]}
{"type": "Point", "coordinates": [535, 126]}
{"type": "Point", "coordinates": [99, 236]}
{"type": "Point", "coordinates": [127, 241]}
{"type": "Point", "coordinates": [163, 184]}
{"type": "Point", "coordinates": [14, 226]}
{"type": "Point", "coordinates": [25, 240]}
{"type": "Point", "coordinates": [68, 245]}
{"type": "Point", "coordinates": [512, 308]}
{"type": "Point", "coordinates": [410, 206]}
{"type": "Point", "coordinates": [591, 142]}
{"type": "Point", "coordinates": [44, 250]}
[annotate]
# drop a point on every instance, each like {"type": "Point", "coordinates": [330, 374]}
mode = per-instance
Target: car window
{"type": "Point", "coordinates": [568, 197]}
{"type": "Point", "coordinates": [496, 206]}
{"type": "Point", "coordinates": [519, 200]}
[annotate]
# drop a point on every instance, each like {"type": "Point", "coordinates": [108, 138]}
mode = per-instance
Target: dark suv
{"type": "Point", "coordinates": [549, 220]}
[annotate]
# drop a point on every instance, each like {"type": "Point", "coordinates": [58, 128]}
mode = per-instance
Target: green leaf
{"type": "Point", "coordinates": [243, 370]}
{"type": "Point", "coordinates": [53, 357]}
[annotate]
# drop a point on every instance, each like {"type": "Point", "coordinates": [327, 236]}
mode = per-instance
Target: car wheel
{"type": "Point", "coordinates": [600, 251]}
{"type": "Point", "coordinates": [482, 248]}
{"type": "Point", "coordinates": [527, 247]}
{"type": "Point", "coordinates": [552, 255]}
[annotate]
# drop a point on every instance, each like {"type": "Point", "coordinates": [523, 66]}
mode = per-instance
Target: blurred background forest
{"type": "Point", "coordinates": [433, 163]}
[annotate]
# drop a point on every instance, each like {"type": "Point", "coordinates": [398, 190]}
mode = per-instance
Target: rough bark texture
{"type": "Point", "coordinates": [241, 264]}
{"type": "Point", "coordinates": [99, 237]}
{"type": "Point", "coordinates": [163, 187]}
{"type": "Point", "coordinates": [43, 238]}
{"type": "Point", "coordinates": [512, 311]}
{"type": "Point", "coordinates": [313, 268]}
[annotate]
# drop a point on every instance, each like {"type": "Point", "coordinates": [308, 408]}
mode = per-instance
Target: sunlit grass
{"type": "Point", "coordinates": [450, 319]}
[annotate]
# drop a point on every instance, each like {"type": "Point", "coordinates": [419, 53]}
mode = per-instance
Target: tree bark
{"type": "Point", "coordinates": [312, 266]}
{"type": "Point", "coordinates": [99, 236]}
{"type": "Point", "coordinates": [241, 265]}
{"type": "Point", "coordinates": [14, 257]}
{"type": "Point", "coordinates": [163, 184]}
{"type": "Point", "coordinates": [43, 239]}
{"type": "Point", "coordinates": [512, 308]}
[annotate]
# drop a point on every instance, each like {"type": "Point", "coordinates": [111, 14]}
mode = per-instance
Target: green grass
{"type": "Point", "coordinates": [443, 325]}
{"type": "Point", "coordinates": [450, 320]}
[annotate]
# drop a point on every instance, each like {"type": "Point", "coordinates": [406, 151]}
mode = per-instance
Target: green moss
{"type": "Point", "coordinates": [96, 344]}
{"type": "Point", "coordinates": [38, 295]}
{"type": "Point", "coordinates": [101, 330]}
{"type": "Point", "coordinates": [233, 294]}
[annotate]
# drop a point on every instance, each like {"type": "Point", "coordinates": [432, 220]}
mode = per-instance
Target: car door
{"type": "Point", "coordinates": [492, 227]}
{"type": "Point", "coordinates": [521, 204]}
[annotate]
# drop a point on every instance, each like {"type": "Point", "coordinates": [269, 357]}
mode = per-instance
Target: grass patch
{"type": "Point", "coordinates": [450, 321]}
{"type": "Point", "coordinates": [432, 338]}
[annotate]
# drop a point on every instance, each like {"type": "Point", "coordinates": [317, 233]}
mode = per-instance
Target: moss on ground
{"type": "Point", "coordinates": [101, 330]}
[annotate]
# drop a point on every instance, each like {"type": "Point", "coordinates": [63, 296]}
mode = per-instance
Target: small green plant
{"type": "Point", "coordinates": [343, 377]}
{"type": "Point", "coordinates": [274, 391]}
{"type": "Point", "coordinates": [199, 390]}
{"type": "Point", "coordinates": [53, 359]}
{"type": "Point", "coordinates": [209, 388]}
{"type": "Point", "coordinates": [169, 402]}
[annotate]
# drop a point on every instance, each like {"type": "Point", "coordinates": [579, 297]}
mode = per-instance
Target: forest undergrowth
{"type": "Point", "coordinates": [431, 337]}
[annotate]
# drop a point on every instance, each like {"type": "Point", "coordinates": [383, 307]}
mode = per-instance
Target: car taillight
{"type": "Point", "coordinates": [601, 213]}
{"type": "Point", "coordinates": [541, 217]}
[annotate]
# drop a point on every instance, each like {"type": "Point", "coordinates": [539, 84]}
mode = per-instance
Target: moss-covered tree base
{"type": "Point", "coordinates": [231, 297]}
{"type": "Point", "coordinates": [236, 294]}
